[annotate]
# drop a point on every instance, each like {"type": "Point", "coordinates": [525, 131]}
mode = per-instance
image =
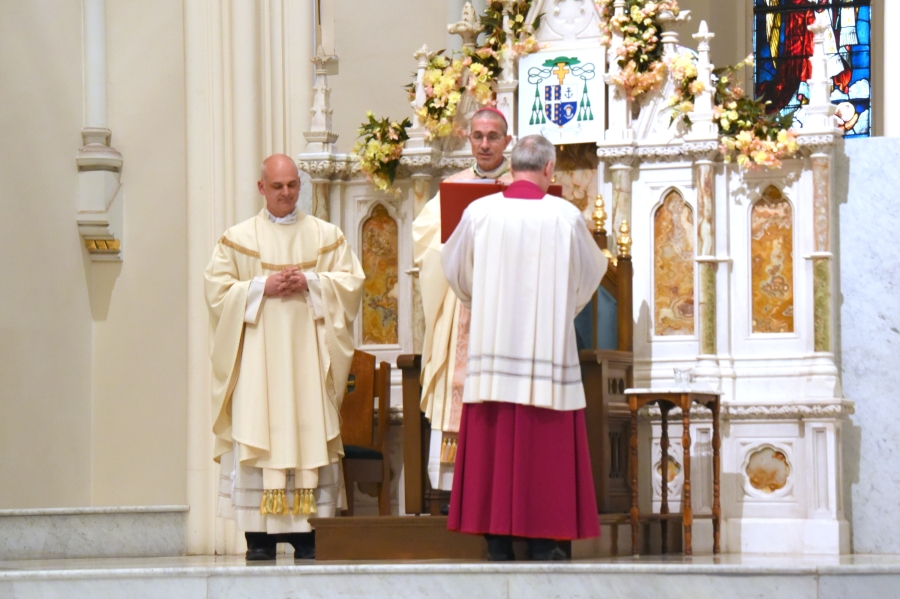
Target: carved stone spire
{"type": "Point", "coordinates": [417, 133]}
{"type": "Point", "coordinates": [320, 137]}
{"type": "Point", "coordinates": [819, 111]}
{"type": "Point", "coordinates": [468, 28]}
{"type": "Point", "coordinates": [703, 126]}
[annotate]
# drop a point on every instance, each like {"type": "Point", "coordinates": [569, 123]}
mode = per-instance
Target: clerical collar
{"type": "Point", "coordinates": [287, 219]}
{"type": "Point", "coordinates": [494, 174]}
{"type": "Point", "coordinates": [523, 190]}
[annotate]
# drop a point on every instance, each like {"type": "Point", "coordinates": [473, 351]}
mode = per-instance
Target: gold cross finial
{"type": "Point", "coordinates": [624, 240]}
{"type": "Point", "coordinates": [599, 216]}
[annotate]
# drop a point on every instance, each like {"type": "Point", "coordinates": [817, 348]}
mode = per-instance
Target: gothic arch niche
{"type": "Point", "coordinates": [380, 313]}
{"type": "Point", "coordinates": [772, 263]}
{"type": "Point", "coordinates": [673, 266]}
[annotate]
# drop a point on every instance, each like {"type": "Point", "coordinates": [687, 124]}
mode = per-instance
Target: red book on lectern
{"type": "Point", "coordinates": [457, 195]}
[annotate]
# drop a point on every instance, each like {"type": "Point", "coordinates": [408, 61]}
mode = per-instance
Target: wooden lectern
{"type": "Point", "coordinates": [457, 195]}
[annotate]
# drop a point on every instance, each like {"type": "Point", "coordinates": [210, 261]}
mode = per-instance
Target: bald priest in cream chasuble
{"type": "Point", "coordinates": [280, 367]}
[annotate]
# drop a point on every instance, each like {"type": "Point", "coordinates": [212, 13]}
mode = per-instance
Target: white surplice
{"type": "Point", "coordinates": [526, 268]}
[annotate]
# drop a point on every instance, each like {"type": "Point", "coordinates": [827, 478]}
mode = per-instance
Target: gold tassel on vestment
{"type": "Point", "coordinates": [268, 502]}
{"type": "Point", "coordinates": [304, 502]}
{"type": "Point", "coordinates": [274, 501]}
{"type": "Point", "coordinates": [448, 451]}
{"type": "Point", "coordinates": [296, 508]}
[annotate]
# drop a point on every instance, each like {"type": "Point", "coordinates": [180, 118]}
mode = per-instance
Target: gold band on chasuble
{"type": "Point", "coordinates": [277, 267]}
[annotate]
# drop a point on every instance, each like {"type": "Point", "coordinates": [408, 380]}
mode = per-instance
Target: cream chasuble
{"type": "Point", "coordinates": [446, 336]}
{"type": "Point", "coordinates": [516, 252]}
{"type": "Point", "coordinates": [278, 383]}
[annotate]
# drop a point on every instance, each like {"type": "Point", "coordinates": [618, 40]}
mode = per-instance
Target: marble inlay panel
{"type": "Point", "coordinates": [673, 470]}
{"type": "Point", "coordinates": [621, 198]}
{"type": "Point", "coordinates": [421, 193]}
{"type": "Point", "coordinates": [768, 470]}
{"type": "Point", "coordinates": [673, 267]}
{"type": "Point", "coordinates": [380, 294]}
{"type": "Point", "coordinates": [772, 253]}
{"type": "Point", "coordinates": [822, 202]}
{"type": "Point", "coordinates": [320, 194]}
{"type": "Point", "coordinates": [576, 171]}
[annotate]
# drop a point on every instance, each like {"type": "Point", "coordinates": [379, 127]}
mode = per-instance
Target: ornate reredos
{"type": "Point", "coordinates": [566, 23]}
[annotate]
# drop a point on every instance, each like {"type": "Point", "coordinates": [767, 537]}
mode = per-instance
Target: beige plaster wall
{"type": "Point", "coordinates": [45, 318]}
{"type": "Point", "coordinates": [375, 43]}
{"type": "Point", "coordinates": [92, 357]}
{"type": "Point", "coordinates": [140, 346]}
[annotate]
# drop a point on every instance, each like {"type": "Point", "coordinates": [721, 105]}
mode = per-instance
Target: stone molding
{"type": "Point", "coordinates": [759, 412]}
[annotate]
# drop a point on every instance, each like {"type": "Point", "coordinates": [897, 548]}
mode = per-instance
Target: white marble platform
{"type": "Point", "coordinates": [677, 577]}
{"type": "Point", "coordinates": [152, 531]}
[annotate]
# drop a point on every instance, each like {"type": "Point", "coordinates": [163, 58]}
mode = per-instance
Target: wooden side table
{"type": "Point", "coordinates": [667, 399]}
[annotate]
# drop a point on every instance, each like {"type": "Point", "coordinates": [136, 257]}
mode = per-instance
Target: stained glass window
{"type": "Point", "coordinates": [783, 46]}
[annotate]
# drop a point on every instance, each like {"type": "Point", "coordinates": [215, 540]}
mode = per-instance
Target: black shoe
{"type": "Point", "coordinates": [500, 548]}
{"type": "Point", "coordinates": [260, 546]}
{"type": "Point", "coordinates": [304, 544]}
{"type": "Point", "coordinates": [545, 550]}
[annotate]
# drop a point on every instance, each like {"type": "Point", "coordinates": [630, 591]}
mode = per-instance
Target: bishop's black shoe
{"type": "Point", "coordinates": [260, 546]}
{"type": "Point", "coordinates": [545, 550]}
{"type": "Point", "coordinates": [500, 548]}
{"type": "Point", "coordinates": [304, 544]}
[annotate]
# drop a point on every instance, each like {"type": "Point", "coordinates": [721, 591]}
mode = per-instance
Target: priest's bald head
{"type": "Point", "coordinates": [534, 159]}
{"type": "Point", "coordinates": [279, 182]}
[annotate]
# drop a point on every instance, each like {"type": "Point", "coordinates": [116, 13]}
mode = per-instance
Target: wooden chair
{"type": "Point", "coordinates": [366, 455]}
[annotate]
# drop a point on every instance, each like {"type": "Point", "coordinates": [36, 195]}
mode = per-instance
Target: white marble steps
{"type": "Point", "coordinates": [731, 576]}
{"type": "Point", "coordinates": [97, 532]}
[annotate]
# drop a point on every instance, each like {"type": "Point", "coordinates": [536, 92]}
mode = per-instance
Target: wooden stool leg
{"type": "Point", "coordinates": [686, 509]}
{"type": "Point", "coordinates": [664, 468]}
{"type": "Point", "coordinates": [384, 489]}
{"type": "Point", "coordinates": [633, 441]}
{"type": "Point", "coordinates": [717, 510]}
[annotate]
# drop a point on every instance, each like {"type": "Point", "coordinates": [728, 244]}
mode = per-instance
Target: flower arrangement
{"type": "Point", "coordinates": [379, 149]}
{"type": "Point", "coordinates": [443, 82]}
{"type": "Point", "coordinates": [750, 137]}
{"type": "Point", "coordinates": [641, 68]}
{"type": "Point", "coordinates": [474, 71]}
{"type": "Point", "coordinates": [495, 35]}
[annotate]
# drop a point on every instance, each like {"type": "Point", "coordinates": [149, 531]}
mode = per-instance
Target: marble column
{"type": "Point", "coordinates": [822, 257]}
{"type": "Point", "coordinates": [246, 107]}
{"type": "Point", "coordinates": [320, 195]}
{"type": "Point", "coordinates": [706, 250]}
{"type": "Point", "coordinates": [621, 198]}
{"type": "Point", "coordinates": [421, 191]}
